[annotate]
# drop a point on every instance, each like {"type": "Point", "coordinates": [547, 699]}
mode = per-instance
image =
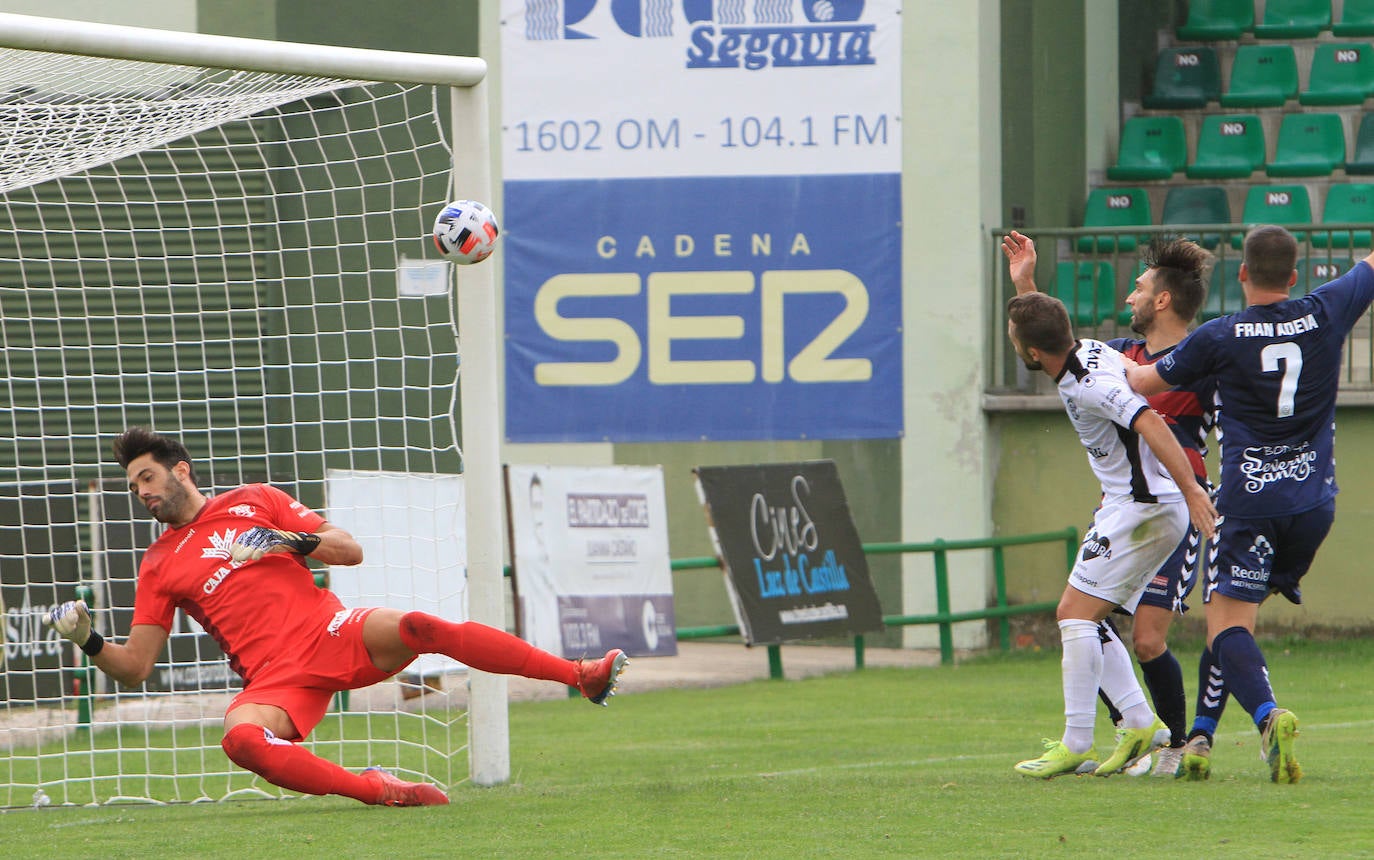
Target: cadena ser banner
{"type": "Point", "coordinates": [794, 565]}
{"type": "Point", "coordinates": [590, 562]}
{"type": "Point", "coordinates": [702, 211]}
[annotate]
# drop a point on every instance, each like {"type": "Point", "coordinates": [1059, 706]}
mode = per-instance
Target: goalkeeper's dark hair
{"type": "Point", "coordinates": [137, 441]}
{"type": "Point", "coordinates": [1181, 267]}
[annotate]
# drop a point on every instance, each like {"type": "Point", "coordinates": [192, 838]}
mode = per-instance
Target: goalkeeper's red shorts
{"type": "Point", "coordinates": [304, 678]}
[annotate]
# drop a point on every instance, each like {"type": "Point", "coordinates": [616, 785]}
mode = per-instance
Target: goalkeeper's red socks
{"type": "Point", "coordinates": [486, 648]}
{"type": "Point", "coordinates": [296, 768]}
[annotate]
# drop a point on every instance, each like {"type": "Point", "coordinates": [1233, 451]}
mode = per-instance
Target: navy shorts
{"type": "Point", "coordinates": [1250, 559]}
{"type": "Point", "coordinates": [1174, 580]}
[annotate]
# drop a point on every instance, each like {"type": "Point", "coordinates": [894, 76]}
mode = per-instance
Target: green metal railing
{"type": "Point", "coordinates": [942, 616]}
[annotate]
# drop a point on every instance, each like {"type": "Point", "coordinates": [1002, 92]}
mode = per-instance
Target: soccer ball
{"type": "Point", "coordinates": [466, 231]}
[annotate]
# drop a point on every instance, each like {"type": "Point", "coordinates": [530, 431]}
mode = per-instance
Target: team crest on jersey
{"type": "Point", "coordinates": [1096, 546]}
{"type": "Point", "coordinates": [1261, 548]}
{"type": "Point", "coordinates": [219, 545]}
{"type": "Point", "coordinates": [244, 510]}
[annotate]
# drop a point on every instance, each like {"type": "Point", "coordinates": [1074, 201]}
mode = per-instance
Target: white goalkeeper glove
{"type": "Point", "coordinates": [258, 541]}
{"type": "Point", "coordinates": [72, 621]}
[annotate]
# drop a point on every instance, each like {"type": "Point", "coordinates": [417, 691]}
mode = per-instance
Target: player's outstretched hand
{"type": "Point", "coordinates": [1021, 256]}
{"type": "Point", "coordinates": [71, 620]}
{"type": "Point", "coordinates": [259, 541]}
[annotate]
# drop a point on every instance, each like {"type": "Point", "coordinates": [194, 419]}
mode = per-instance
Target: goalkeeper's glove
{"type": "Point", "coordinates": [72, 621]}
{"type": "Point", "coordinates": [254, 543]}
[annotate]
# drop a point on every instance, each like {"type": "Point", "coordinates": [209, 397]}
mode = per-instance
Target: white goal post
{"type": "Point", "coordinates": [165, 224]}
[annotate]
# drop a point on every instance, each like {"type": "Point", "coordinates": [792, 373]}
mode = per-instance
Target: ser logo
{"type": "Point", "coordinates": [1096, 546]}
{"type": "Point", "coordinates": [722, 33]}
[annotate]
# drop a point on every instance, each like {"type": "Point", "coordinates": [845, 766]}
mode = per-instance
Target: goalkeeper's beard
{"type": "Point", "coordinates": [174, 504]}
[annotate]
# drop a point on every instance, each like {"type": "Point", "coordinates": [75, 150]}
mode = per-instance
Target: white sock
{"type": "Point", "coordinates": [1082, 668]}
{"type": "Point", "coordinates": [1121, 685]}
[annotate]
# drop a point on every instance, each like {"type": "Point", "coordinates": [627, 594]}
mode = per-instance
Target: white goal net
{"type": "Point", "coordinates": [240, 259]}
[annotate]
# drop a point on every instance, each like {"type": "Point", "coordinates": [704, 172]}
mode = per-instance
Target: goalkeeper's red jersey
{"type": "Point", "coordinates": [253, 609]}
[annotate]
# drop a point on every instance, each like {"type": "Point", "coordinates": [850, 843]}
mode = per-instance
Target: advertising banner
{"type": "Point", "coordinates": [794, 564]}
{"type": "Point", "coordinates": [714, 252]}
{"type": "Point", "coordinates": [589, 551]}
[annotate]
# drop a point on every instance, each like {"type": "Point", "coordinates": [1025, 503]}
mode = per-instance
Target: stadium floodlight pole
{"type": "Point", "coordinates": [488, 753]}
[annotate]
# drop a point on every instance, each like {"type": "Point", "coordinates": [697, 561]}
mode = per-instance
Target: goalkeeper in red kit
{"type": "Point", "coordinates": [235, 562]}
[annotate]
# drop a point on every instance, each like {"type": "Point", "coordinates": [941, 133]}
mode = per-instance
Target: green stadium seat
{"type": "Point", "coordinates": [1217, 20]}
{"type": "Point", "coordinates": [1114, 207]}
{"type": "Point", "coordinates": [1293, 19]}
{"type": "Point", "coordinates": [1318, 269]}
{"type": "Point", "coordinates": [1197, 204]}
{"type": "Point", "coordinates": [1361, 160]}
{"type": "Point", "coordinates": [1088, 289]}
{"type": "Point", "coordinates": [1309, 144]}
{"type": "Point", "coordinates": [1357, 19]}
{"type": "Point", "coordinates": [1229, 146]}
{"type": "Point", "coordinates": [1185, 78]}
{"type": "Point", "coordinates": [1342, 74]}
{"type": "Point", "coordinates": [1152, 147]}
{"type": "Point", "coordinates": [1285, 205]}
{"type": "Point", "coordinates": [1224, 293]}
{"type": "Point", "coordinates": [1346, 203]}
{"type": "Point", "coordinates": [1262, 76]}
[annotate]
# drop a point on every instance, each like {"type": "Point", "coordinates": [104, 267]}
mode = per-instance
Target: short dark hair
{"type": "Point", "coordinates": [1271, 255]}
{"type": "Point", "coordinates": [1041, 322]}
{"type": "Point", "coordinates": [137, 441]}
{"type": "Point", "coordinates": [1181, 267]}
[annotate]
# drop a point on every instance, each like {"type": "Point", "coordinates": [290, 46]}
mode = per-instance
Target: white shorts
{"type": "Point", "coordinates": [1126, 544]}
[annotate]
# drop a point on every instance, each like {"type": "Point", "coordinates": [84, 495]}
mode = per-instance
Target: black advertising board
{"type": "Point", "coordinates": [794, 564]}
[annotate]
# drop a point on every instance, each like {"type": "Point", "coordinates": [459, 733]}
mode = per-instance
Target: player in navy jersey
{"type": "Point", "coordinates": [1167, 295]}
{"type": "Point", "coordinates": [1277, 367]}
{"type": "Point", "coordinates": [1149, 495]}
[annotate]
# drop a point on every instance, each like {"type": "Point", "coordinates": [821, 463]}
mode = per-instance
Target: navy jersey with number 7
{"type": "Point", "coordinates": [1277, 369]}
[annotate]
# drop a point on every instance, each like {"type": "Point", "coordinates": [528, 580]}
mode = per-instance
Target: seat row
{"type": "Point", "coordinates": [1190, 205]}
{"type": "Point", "coordinates": [1189, 77]}
{"type": "Point", "coordinates": [1233, 146]}
{"type": "Point", "coordinates": [1222, 20]}
{"type": "Point", "coordinates": [1088, 288]}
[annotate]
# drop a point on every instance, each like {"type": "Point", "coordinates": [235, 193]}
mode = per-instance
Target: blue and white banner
{"type": "Point", "coordinates": [713, 252]}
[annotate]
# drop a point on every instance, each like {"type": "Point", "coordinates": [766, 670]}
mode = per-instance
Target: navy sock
{"type": "Point", "coordinates": [1211, 696]}
{"type": "Point", "coordinates": [1164, 680]}
{"type": "Point", "coordinates": [1247, 675]}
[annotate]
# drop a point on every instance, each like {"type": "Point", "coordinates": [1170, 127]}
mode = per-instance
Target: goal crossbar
{"type": "Point", "coordinates": [121, 42]}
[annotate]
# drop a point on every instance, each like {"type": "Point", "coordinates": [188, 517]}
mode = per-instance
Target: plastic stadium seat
{"type": "Point", "coordinates": [1342, 74]}
{"type": "Point", "coordinates": [1228, 147]}
{"type": "Point", "coordinates": [1361, 160]}
{"type": "Point", "coordinates": [1294, 19]}
{"type": "Point", "coordinates": [1197, 204]}
{"type": "Point", "coordinates": [1285, 205]}
{"type": "Point", "coordinates": [1309, 144]}
{"type": "Point", "coordinates": [1152, 147]}
{"type": "Point", "coordinates": [1114, 207]}
{"type": "Point", "coordinates": [1346, 203]}
{"type": "Point", "coordinates": [1217, 20]}
{"type": "Point", "coordinates": [1185, 78]}
{"type": "Point", "coordinates": [1224, 293]}
{"type": "Point", "coordinates": [1087, 289]}
{"type": "Point", "coordinates": [1357, 19]}
{"type": "Point", "coordinates": [1318, 269]}
{"type": "Point", "coordinates": [1262, 76]}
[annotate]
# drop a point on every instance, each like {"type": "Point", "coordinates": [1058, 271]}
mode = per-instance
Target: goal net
{"type": "Point", "coordinates": [238, 257]}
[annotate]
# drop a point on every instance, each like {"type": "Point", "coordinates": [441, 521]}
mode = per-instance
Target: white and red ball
{"type": "Point", "coordinates": [466, 231]}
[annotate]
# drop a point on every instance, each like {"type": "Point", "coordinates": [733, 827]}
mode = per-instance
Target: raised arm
{"type": "Point", "coordinates": [1020, 252]}
{"type": "Point", "coordinates": [328, 544]}
{"type": "Point", "coordinates": [1161, 440]}
{"type": "Point", "coordinates": [1145, 379]}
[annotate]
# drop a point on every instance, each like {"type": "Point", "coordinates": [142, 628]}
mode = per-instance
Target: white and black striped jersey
{"type": "Point", "coordinates": [1103, 409]}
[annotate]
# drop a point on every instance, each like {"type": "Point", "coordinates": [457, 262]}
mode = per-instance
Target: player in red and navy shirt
{"type": "Point", "coordinates": [1167, 295]}
{"type": "Point", "coordinates": [1277, 365]}
{"type": "Point", "coordinates": [235, 563]}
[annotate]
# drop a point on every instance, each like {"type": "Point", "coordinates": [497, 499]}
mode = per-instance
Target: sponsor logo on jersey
{"type": "Point", "coordinates": [1261, 548]}
{"type": "Point", "coordinates": [342, 617]}
{"type": "Point", "coordinates": [1243, 573]}
{"type": "Point", "coordinates": [1263, 465]}
{"type": "Point", "coordinates": [219, 545]}
{"type": "Point", "coordinates": [183, 541]}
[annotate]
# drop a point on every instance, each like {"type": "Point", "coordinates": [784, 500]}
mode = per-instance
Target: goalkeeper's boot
{"type": "Point", "coordinates": [597, 679]}
{"type": "Point", "coordinates": [1197, 759]}
{"type": "Point", "coordinates": [395, 792]}
{"type": "Point", "coordinates": [1276, 746]}
{"type": "Point", "coordinates": [1132, 745]}
{"type": "Point", "coordinates": [1057, 760]}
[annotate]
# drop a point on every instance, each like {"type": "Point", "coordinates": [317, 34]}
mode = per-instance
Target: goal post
{"type": "Point", "coordinates": [227, 239]}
